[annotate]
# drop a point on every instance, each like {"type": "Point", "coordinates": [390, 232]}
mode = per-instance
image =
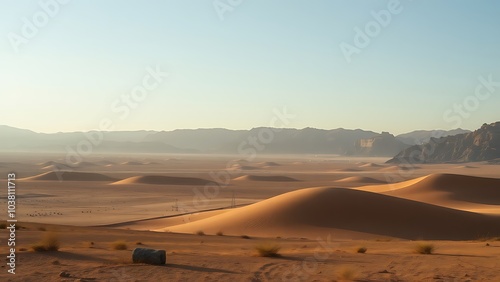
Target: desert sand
{"type": "Point", "coordinates": [210, 212]}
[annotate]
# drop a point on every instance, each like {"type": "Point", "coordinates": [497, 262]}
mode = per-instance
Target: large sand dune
{"type": "Point", "coordinates": [359, 179]}
{"type": "Point", "coordinates": [441, 187]}
{"type": "Point", "coordinates": [274, 178]}
{"type": "Point", "coordinates": [70, 176]}
{"type": "Point", "coordinates": [164, 180]}
{"type": "Point", "coordinates": [333, 210]}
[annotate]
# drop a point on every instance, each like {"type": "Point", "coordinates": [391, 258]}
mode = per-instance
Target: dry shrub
{"type": "Point", "coordinates": [119, 245]}
{"type": "Point", "coordinates": [424, 249]}
{"type": "Point", "coordinates": [49, 242]}
{"type": "Point", "coordinates": [268, 250]}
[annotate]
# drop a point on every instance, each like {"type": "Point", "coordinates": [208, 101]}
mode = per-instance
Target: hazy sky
{"type": "Point", "coordinates": [65, 67]}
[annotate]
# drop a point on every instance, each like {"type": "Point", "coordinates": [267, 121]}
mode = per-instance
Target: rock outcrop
{"type": "Point", "coordinates": [384, 144]}
{"type": "Point", "coordinates": [480, 145]}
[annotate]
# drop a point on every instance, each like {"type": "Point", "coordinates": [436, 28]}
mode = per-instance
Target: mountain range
{"type": "Point", "coordinates": [218, 140]}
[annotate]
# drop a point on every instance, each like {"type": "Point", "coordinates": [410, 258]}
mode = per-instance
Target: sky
{"type": "Point", "coordinates": [392, 65]}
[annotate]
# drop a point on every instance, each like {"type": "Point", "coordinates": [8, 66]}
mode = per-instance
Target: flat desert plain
{"type": "Point", "coordinates": [213, 213]}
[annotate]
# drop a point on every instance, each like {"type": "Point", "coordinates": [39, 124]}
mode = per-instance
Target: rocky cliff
{"type": "Point", "coordinates": [480, 145]}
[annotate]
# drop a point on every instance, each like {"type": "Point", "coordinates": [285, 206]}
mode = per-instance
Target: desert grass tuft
{"type": "Point", "coordinates": [200, 233]}
{"type": "Point", "coordinates": [268, 250]}
{"type": "Point", "coordinates": [119, 245]}
{"type": "Point", "coordinates": [49, 242]}
{"type": "Point", "coordinates": [424, 249]}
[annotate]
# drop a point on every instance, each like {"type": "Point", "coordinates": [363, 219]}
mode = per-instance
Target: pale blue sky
{"type": "Point", "coordinates": [232, 73]}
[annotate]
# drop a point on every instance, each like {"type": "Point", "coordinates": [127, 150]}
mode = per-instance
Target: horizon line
{"type": "Point", "coordinates": [230, 129]}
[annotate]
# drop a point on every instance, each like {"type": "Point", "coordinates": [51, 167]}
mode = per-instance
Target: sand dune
{"type": "Point", "coordinates": [243, 167]}
{"type": "Point", "coordinates": [276, 178]}
{"type": "Point", "coordinates": [349, 169]}
{"type": "Point", "coordinates": [268, 164]}
{"type": "Point", "coordinates": [437, 188]}
{"type": "Point", "coordinates": [307, 211]}
{"type": "Point", "coordinates": [105, 162]}
{"type": "Point", "coordinates": [360, 179]}
{"type": "Point", "coordinates": [52, 163]}
{"type": "Point", "coordinates": [164, 180]}
{"type": "Point", "coordinates": [465, 166]}
{"type": "Point", "coordinates": [70, 176]}
{"type": "Point", "coordinates": [86, 164]}
{"type": "Point", "coordinates": [399, 168]}
{"type": "Point", "coordinates": [368, 165]}
{"type": "Point", "coordinates": [132, 163]}
{"type": "Point", "coordinates": [59, 166]}
{"type": "Point", "coordinates": [49, 167]}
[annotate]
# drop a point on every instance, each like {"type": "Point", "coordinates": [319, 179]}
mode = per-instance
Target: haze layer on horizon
{"type": "Point", "coordinates": [390, 65]}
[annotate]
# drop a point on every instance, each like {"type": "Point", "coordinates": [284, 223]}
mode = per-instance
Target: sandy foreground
{"type": "Point", "coordinates": [318, 209]}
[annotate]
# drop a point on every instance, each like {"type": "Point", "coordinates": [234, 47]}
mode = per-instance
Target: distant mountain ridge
{"type": "Point", "coordinates": [218, 140]}
{"type": "Point", "coordinates": [420, 137]}
{"type": "Point", "coordinates": [480, 145]}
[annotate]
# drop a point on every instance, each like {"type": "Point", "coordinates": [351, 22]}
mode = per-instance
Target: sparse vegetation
{"type": "Point", "coordinates": [200, 233]}
{"type": "Point", "coordinates": [245, 237]}
{"type": "Point", "coordinates": [139, 243]}
{"type": "Point", "coordinates": [361, 250]}
{"type": "Point", "coordinates": [119, 245]}
{"type": "Point", "coordinates": [220, 233]}
{"type": "Point", "coordinates": [424, 249]}
{"type": "Point", "coordinates": [49, 242]}
{"type": "Point", "coordinates": [42, 229]}
{"type": "Point", "coordinates": [3, 226]}
{"type": "Point", "coordinates": [268, 250]}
